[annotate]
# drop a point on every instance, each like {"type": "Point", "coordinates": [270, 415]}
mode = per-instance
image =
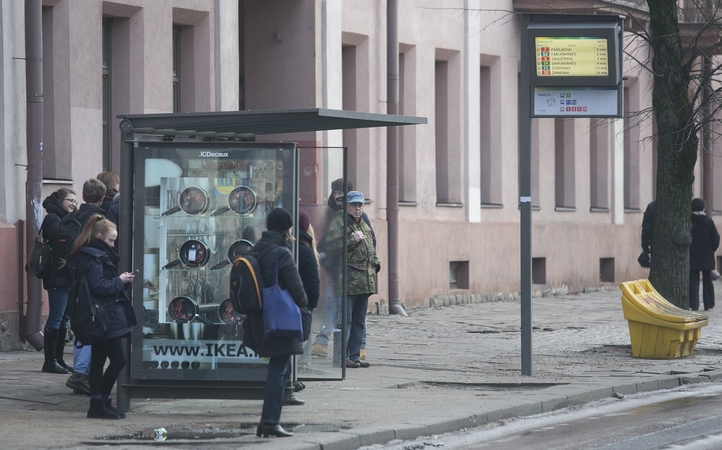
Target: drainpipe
{"type": "Point", "coordinates": [392, 155]}
{"type": "Point", "coordinates": [34, 184]}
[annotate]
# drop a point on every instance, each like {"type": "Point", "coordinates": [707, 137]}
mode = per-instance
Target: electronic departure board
{"type": "Point", "coordinates": [574, 56]}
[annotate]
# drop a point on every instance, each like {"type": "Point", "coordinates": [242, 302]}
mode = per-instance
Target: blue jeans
{"type": "Point", "coordinates": [355, 324]}
{"type": "Point", "coordinates": [57, 301]}
{"type": "Point", "coordinates": [81, 357]}
{"type": "Point", "coordinates": [333, 316]}
{"type": "Point", "coordinates": [279, 372]}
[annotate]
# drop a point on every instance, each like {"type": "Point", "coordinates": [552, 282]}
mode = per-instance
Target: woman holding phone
{"type": "Point", "coordinates": [94, 254]}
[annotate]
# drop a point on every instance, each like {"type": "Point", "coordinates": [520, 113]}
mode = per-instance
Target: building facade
{"type": "Point", "coordinates": [459, 63]}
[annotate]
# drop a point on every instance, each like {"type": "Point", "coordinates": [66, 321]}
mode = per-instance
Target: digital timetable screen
{"type": "Point", "coordinates": [586, 53]}
{"type": "Point", "coordinates": [577, 56]}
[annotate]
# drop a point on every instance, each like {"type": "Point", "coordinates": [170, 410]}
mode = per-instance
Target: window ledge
{"type": "Point", "coordinates": [632, 210]}
{"type": "Point", "coordinates": [565, 209]}
{"type": "Point", "coordinates": [492, 206]}
{"type": "Point", "coordinates": [599, 210]}
{"type": "Point", "coordinates": [403, 203]}
{"type": "Point", "coordinates": [449, 205]}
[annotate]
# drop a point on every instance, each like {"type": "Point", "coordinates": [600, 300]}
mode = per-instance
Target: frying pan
{"type": "Point", "coordinates": [192, 201]}
{"type": "Point", "coordinates": [235, 250]}
{"type": "Point", "coordinates": [227, 314]}
{"type": "Point", "coordinates": [184, 309]}
{"type": "Point", "coordinates": [242, 201]}
{"type": "Point", "coordinates": [193, 253]}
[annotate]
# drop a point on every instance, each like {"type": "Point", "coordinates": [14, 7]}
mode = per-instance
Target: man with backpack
{"type": "Point", "coordinates": [70, 227]}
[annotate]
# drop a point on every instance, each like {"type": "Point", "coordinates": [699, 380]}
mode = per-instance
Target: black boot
{"type": "Point", "coordinates": [99, 411]}
{"type": "Point", "coordinates": [273, 430]}
{"type": "Point", "coordinates": [50, 365]}
{"type": "Point", "coordinates": [109, 406]}
{"type": "Point", "coordinates": [60, 349]}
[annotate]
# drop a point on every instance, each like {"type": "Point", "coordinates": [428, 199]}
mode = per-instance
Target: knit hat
{"type": "Point", "coordinates": [279, 220]}
{"type": "Point", "coordinates": [337, 185]}
{"type": "Point", "coordinates": [355, 197]}
{"type": "Point", "coordinates": [303, 220]}
{"type": "Point", "coordinates": [698, 204]}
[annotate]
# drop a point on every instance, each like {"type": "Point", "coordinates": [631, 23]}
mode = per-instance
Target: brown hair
{"type": "Point", "coordinates": [311, 233]}
{"type": "Point", "coordinates": [63, 193]}
{"type": "Point", "coordinates": [97, 226]}
{"type": "Point", "coordinates": [109, 179]}
{"type": "Point", "coordinates": [93, 190]}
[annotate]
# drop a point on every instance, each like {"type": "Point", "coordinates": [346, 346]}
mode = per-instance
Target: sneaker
{"type": "Point", "coordinates": [78, 382]}
{"type": "Point", "coordinates": [362, 355]}
{"type": "Point", "coordinates": [319, 350]}
{"type": "Point", "coordinates": [364, 364]}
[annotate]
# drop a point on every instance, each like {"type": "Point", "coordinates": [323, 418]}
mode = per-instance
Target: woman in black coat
{"type": "Point", "coordinates": [278, 350]}
{"type": "Point", "coordinates": [95, 255]}
{"type": "Point", "coordinates": [705, 240]}
{"type": "Point", "coordinates": [308, 260]}
{"type": "Point", "coordinates": [58, 205]}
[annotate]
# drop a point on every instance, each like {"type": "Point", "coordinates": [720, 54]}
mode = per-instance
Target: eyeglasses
{"type": "Point", "coordinates": [339, 199]}
{"type": "Point", "coordinates": [72, 201]}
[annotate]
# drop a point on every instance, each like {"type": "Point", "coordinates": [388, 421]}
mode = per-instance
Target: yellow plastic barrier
{"type": "Point", "coordinates": [657, 328]}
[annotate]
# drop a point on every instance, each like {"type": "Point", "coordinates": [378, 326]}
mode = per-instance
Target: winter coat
{"type": "Point", "coordinates": [50, 226]}
{"type": "Point", "coordinates": [106, 285]}
{"type": "Point", "coordinates": [705, 240]}
{"type": "Point", "coordinates": [107, 201]}
{"type": "Point", "coordinates": [308, 270]}
{"type": "Point", "coordinates": [113, 213]}
{"type": "Point", "coordinates": [362, 264]}
{"type": "Point", "coordinates": [648, 227]}
{"type": "Point", "coordinates": [288, 278]}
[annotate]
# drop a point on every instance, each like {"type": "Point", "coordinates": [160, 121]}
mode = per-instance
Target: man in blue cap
{"type": "Point", "coordinates": [362, 266]}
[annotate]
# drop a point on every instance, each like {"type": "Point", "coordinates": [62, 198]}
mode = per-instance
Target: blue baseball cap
{"type": "Point", "coordinates": [355, 197]}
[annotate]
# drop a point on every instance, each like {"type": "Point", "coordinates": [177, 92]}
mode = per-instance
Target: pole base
{"type": "Point", "coordinates": [396, 308]}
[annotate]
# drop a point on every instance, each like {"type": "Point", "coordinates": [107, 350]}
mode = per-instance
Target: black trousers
{"type": "Point", "coordinates": [707, 289]}
{"type": "Point", "coordinates": [101, 383]}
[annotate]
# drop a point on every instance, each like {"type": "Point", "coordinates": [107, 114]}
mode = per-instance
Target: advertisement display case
{"type": "Point", "coordinates": [196, 207]}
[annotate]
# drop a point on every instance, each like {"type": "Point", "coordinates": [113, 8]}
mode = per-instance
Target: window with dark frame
{"type": "Point", "coordinates": [176, 69]}
{"type": "Point", "coordinates": [106, 107]}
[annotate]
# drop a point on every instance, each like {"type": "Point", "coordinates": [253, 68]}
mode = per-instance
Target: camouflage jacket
{"type": "Point", "coordinates": [362, 262]}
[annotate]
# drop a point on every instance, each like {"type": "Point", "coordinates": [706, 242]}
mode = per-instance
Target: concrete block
{"type": "Point", "coordinates": [715, 375]}
{"type": "Point", "coordinates": [669, 383]}
{"type": "Point", "coordinates": [528, 409]}
{"type": "Point", "coordinates": [407, 432]}
{"type": "Point", "coordinates": [693, 379]}
{"type": "Point", "coordinates": [626, 389]}
{"type": "Point", "coordinates": [590, 395]}
{"type": "Point", "coordinates": [374, 435]}
{"type": "Point", "coordinates": [554, 403]}
{"type": "Point", "coordinates": [500, 414]}
{"type": "Point", "coordinates": [334, 441]}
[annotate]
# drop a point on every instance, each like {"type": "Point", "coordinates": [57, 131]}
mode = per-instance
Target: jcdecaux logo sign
{"type": "Point", "coordinates": [213, 155]}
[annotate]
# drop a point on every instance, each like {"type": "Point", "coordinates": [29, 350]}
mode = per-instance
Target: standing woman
{"type": "Point", "coordinates": [279, 350]}
{"type": "Point", "coordinates": [95, 255]}
{"type": "Point", "coordinates": [58, 205]}
{"type": "Point", "coordinates": [308, 259]}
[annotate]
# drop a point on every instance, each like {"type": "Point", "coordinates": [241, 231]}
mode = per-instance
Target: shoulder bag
{"type": "Point", "coordinates": [281, 315]}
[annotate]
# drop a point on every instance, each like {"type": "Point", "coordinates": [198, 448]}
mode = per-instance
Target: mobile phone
{"type": "Point", "coordinates": [135, 272]}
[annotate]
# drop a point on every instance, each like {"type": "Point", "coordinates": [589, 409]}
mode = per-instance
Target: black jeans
{"type": "Point", "coordinates": [112, 349]}
{"type": "Point", "coordinates": [279, 372]}
{"type": "Point", "coordinates": [707, 289]}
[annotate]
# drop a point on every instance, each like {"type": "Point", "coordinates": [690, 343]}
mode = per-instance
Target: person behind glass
{"type": "Point", "coordinates": [332, 268]}
{"type": "Point", "coordinates": [308, 260]}
{"type": "Point", "coordinates": [705, 240]}
{"type": "Point", "coordinates": [58, 205]}
{"type": "Point", "coordinates": [362, 265]}
{"type": "Point", "coordinates": [112, 186]}
{"type": "Point", "coordinates": [95, 255]}
{"type": "Point", "coordinates": [277, 350]}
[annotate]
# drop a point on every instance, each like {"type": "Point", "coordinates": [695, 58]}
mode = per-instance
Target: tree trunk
{"type": "Point", "coordinates": [677, 154]}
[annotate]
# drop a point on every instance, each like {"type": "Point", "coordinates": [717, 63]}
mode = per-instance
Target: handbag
{"type": "Point", "coordinates": [40, 258]}
{"type": "Point", "coordinates": [281, 315]}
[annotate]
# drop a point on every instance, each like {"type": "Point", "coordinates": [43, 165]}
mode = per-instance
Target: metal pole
{"type": "Point", "coordinates": [525, 198]}
{"type": "Point", "coordinates": [392, 156]}
{"type": "Point", "coordinates": [34, 183]}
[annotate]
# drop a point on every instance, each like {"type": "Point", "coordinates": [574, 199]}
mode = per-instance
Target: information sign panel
{"type": "Point", "coordinates": [576, 102]}
{"type": "Point", "coordinates": [571, 56]}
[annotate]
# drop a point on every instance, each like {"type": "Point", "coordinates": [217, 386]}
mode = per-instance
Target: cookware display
{"type": "Point", "coordinates": [241, 201]}
{"type": "Point", "coordinates": [228, 314]}
{"type": "Point", "coordinates": [193, 254]}
{"type": "Point", "coordinates": [193, 201]}
{"type": "Point", "coordinates": [235, 250]}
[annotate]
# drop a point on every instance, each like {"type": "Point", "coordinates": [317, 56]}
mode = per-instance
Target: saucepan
{"type": "Point", "coordinates": [193, 254]}
{"type": "Point", "coordinates": [242, 201]}
{"type": "Point", "coordinates": [192, 201]}
{"type": "Point", "coordinates": [236, 249]}
{"type": "Point", "coordinates": [228, 314]}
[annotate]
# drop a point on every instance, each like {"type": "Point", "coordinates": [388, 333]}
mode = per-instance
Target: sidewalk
{"type": "Point", "coordinates": [437, 370]}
